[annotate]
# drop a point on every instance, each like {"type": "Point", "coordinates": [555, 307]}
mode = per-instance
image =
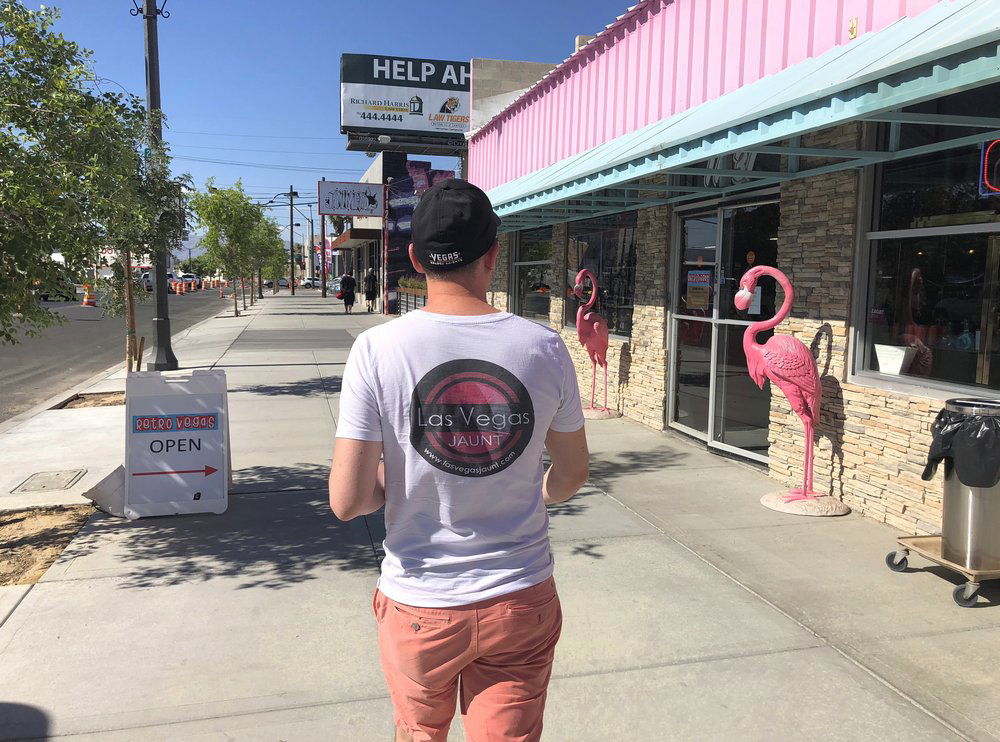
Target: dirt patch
{"type": "Point", "coordinates": [30, 540]}
{"type": "Point", "coordinates": [100, 399]}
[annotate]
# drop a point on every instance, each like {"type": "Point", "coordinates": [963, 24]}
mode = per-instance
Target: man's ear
{"type": "Point", "coordinates": [491, 257]}
{"type": "Point", "coordinates": [413, 260]}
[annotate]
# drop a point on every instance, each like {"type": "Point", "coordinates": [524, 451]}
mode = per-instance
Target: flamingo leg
{"type": "Point", "coordinates": [605, 386]}
{"type": "Point", "coordinates": [593, 386]}
{"type": "Point", "coordinates": [806, 493]}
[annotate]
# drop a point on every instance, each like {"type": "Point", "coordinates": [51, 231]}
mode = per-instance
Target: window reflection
{"type": "Point", "coordinates": [533, 274]}
{"type": "Point", "coordinates": [607, 248]}
{"type": "Point", "coordinates": [932, 309]}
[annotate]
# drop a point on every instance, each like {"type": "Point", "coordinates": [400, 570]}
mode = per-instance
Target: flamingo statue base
{"type": "Point", "coordinates": [789, 365]}
{"type": "Point", "coordinates": [792, 501]}
{"type": "Point", "coordinates": [600, 413]}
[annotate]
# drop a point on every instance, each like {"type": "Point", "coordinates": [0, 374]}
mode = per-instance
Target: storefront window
{"type": "Point", "coordinates": [933, 309]}
{"type": "Point", "coordinates": [939, 189]}
{"type": "Point", "coordinates": [934, 285]}
{"type": "Point", "coordinates": [533, 276]}
{"type": "Point", "coordinates": [606, 247]}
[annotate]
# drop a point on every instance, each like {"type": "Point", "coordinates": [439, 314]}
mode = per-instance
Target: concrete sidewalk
{"type": "Point", "coordinates": [691, 613]}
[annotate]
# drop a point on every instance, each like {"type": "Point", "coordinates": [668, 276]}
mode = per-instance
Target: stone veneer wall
{"type": "Point", "coordinates": [637, 370]}
{"type": "Point", "coordinates": [498, 294]}
{"type": "Point", "coordinates": [872, 442]}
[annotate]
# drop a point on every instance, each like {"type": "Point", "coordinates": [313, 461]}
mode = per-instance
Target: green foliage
{"type": "Point", "coordinates": [413, 282]}
{"type": "Point", "coordinates": [239, 238]}
{"type": "Point", "coordinates": [76, 174]}
{"type": "Point", "coordinates": [200, 265]}
{"type": "Point", "coordinates": [230, 219]}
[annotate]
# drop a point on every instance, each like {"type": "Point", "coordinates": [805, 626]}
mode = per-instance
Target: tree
{"type": "Point", "coordinates": [230, 219]}
{"type": "Point", "coordinates": [200, 265]}
{"type": "Point", "coordinates": [267, 249]}
{"type": "Point", "coordinates": [73, 174]}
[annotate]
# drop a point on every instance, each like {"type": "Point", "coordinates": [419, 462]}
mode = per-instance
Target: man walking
{"type": "Point", "coordinates": [461, 399]}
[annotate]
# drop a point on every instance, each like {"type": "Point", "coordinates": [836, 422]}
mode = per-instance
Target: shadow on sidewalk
{"type": "Point", "coordinates": [18, 721]}
{"type": "Point", "coordinates": [263, 541]}
{"type": "Point", "coordinates": [606, 468]}
{"type": "Point", "coordinates": [306, 388]}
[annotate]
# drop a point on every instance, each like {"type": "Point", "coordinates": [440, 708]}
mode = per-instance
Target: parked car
{"type": "Point", "coordinates": [146, 279]}
{"type": "Point", "coordinates": [282, 283]}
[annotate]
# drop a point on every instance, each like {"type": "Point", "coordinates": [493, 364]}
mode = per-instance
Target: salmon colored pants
{"type": "Point", "coordinates": [497, 653]}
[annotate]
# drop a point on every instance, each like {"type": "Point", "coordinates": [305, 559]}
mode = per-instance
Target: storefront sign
{"type": "Point", "coordinates": [351, 199]}
{"type": "Point", "coordinates": [699, 286]}
{"type": "Point", "coordinates": [401, 94]}
{"type": "Point", "coordinates": [177, 444]}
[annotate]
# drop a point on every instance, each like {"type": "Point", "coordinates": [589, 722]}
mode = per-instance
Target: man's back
{"type": "Point", "coordinates": [462, 405]}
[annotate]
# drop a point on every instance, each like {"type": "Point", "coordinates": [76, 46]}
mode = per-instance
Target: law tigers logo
{"type": "Point", "coordinates": [471, 418]}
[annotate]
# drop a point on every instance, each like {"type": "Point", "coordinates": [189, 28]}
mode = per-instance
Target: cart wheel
{"type": "Point", "coordinates": [895, 562]}
{"type": "Point", "coordinates": [963, 597]}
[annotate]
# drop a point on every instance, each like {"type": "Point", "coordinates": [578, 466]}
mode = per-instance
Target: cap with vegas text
{"type": "Point", "coordinates": [453, 225]}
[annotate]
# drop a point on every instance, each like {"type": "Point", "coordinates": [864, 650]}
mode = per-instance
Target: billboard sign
{"type": "Point", "coordinates": [351, 199]}
{"type": "Point", "coordinates": [424, 97]}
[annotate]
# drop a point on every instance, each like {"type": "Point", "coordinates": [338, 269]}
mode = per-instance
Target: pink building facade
{"type": "Point", "coordinates": [838, 141]}
{"type": "Point", "coordinates": [660, 59]}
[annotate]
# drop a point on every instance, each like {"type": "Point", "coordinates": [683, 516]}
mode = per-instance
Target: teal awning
{"type": "Point", "coordinates": [951, 47]}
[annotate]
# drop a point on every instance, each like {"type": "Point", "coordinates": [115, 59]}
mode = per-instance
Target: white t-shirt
{"type": "Point", "coordinates": [462, 405]}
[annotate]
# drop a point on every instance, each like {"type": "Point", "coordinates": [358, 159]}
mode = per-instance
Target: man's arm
{"type": "Point", "coordinates": [570, 465]}
{"type": "Point", "coordinates": [357, 478]}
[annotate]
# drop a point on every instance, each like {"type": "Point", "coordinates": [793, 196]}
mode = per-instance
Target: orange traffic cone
{"type": "Point", "coordinates": [89, 300]}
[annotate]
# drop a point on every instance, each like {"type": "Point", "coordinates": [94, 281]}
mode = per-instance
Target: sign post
{"type": "Point", "coordinates": [177, 444]}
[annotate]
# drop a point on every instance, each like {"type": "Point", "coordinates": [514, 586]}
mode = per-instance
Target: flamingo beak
{"type": "Point", "coordinates": [578, 290]}
{"type": "Point", "coordinates": [742, 298]}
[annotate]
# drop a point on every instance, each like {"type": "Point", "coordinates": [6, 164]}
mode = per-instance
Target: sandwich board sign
{"type": "Point", "coordinates": [177, 443]}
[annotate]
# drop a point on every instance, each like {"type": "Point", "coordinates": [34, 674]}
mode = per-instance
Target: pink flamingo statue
{"type": "Point", "coordinates": [789, 364]}
{"type": "Point", "coordinates": [593, 333]}
{"type": "Point", "coordinates": [915, 334]}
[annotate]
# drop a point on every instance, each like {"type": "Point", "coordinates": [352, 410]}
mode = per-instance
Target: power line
{"type": "Point", "coordinates": [270, 151]}
{"type": "Point", "coordinates": [266, 166]}
{"type": "Point", "coordinates": [252, 136]}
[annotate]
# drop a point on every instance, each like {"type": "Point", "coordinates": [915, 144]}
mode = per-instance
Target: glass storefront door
{"type": "Point", "coordinates": [712, 395]}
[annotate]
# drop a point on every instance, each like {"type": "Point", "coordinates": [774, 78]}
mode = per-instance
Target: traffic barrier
{"type": "Point", "coordinates": [89, 300]}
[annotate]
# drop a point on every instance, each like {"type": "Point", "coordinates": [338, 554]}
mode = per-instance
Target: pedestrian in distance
{"type": "Point", "coordinates": [371, 289]}
{"type": "Point", "coordinates": [461, 399]}
{"type": "Point", "coordinates": [348, 286]}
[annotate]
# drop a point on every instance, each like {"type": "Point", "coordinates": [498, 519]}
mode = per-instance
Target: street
{"type": "Point", "coordinates": [64, 355]}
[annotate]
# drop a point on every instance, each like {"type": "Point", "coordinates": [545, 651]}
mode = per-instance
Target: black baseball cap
{"type": "Point", "coordinates": [453, 225]}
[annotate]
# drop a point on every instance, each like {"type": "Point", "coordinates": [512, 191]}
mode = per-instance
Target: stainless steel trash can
{"type": "Point", "coordinates": [970, 527]}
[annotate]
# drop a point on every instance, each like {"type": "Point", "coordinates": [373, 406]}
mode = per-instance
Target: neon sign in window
{"type": "Point", "coordinates": [989, 169]}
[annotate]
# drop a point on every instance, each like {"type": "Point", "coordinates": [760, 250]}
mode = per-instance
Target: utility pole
{"type": "Point", "coordinates": [311, 252]}
{"type": "Point", "coordinates": [291, 236]}
{"type": "Point", "coordinates": [322, 248]}
{"type": "Point", "coordinates": [163, 358]}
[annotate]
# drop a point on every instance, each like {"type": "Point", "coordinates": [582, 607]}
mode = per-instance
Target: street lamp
{"type": "Point", "coordinates": [312, 240]}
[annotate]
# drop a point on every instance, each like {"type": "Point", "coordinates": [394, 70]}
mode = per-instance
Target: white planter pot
{"type": "Point", "coordinates": [892, 359]}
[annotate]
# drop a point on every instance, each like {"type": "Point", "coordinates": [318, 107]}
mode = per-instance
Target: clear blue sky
{"type": "Point", "coordinates": [268, 70]}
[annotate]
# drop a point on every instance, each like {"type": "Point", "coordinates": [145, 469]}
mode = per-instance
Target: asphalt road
{"type": "Point", "coordinates": [67, 354]}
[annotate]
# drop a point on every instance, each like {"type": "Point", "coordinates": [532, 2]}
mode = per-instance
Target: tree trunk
{"type": "Point", "coordinates": [236, 299]}
{"type": "Point", "coordinates": [130, 354]}
{"type": "Point", "coordinates": [243, 290]}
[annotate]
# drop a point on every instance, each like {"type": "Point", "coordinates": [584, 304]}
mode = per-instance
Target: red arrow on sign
{"type": "Point", "coordinates": [206, 471]}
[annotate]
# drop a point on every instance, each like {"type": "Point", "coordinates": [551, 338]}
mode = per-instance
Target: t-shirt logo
{"type": "Point", "coordinates": [471, 418]}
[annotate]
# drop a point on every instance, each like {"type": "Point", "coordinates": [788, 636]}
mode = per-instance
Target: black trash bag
{"type": "Point", "coordinates": [970, 444]}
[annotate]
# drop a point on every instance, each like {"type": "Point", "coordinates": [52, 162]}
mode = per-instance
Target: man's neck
{"type": "Point", "coordinates": [444, 297]}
